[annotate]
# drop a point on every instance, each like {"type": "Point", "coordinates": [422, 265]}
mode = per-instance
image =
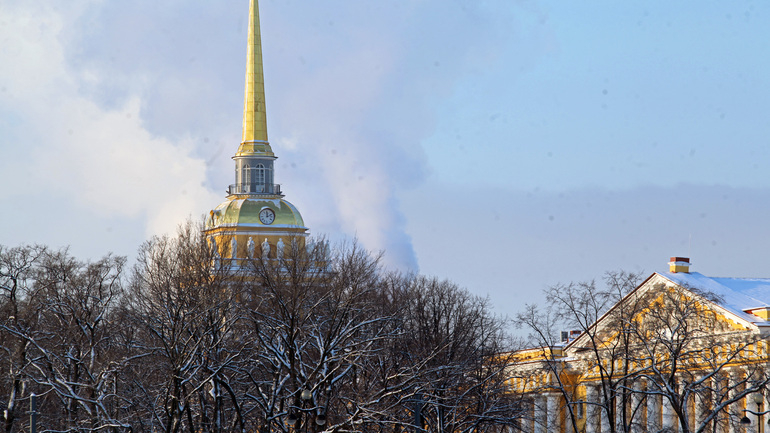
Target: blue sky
{"type": "Point", "coordinates": [506, 145]}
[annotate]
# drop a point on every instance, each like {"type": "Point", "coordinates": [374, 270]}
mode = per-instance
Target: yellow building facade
{"type": "Point", "coordinates": [680, 353]}
{"type": "Point", "coordinates": [255, 219]}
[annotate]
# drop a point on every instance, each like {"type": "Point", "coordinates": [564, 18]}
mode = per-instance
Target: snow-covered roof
{"type": "Point", "coordinates": [737, 295]}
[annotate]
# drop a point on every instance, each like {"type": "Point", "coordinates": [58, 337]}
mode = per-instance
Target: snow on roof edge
{"type": "Point", "coordinates": [730, 291]}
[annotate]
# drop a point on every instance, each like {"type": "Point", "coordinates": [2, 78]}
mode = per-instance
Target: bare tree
{"type": "Point", "coordinates": [317, 338]}
{"type": "Point", "coordinates": [457, 352]}
{"type": "Point", "coordinates": [313, 326]}
{"type": "Point", "coordinates": [17, 307]}
{"type": "Point", "coordinates": [578, 306]}
{"type": "Point", "coordinates": [58, 336]}
{"type": "Point", "coordinates": [73, 357]}
{"type": "Point", "coordinates": [184, 304]}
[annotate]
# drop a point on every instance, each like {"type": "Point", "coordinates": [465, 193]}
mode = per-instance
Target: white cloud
{"type": "Point", "coordinates": [357, 172]}
{"type": "Point", "coordinates": [104, 161]}
{"type": "Point", "coordinates": [113, 166]}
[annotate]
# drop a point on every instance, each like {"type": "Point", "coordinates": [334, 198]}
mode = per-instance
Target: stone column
{"type": "Point", "coordinates": [619, 409]}
{"type": "Point", "coordinates": [541, 416]}
{"type": "Point", "coordinates": [755, 420]}
{"type": "Point", "coordinates": [553, 416]}
{"type": "Point", "coordinates": [667, 414]}
{"type": "Point", "coordinates": [653, 412]}
{"type": "Point", "coordinates": [637, 422]}
{"type": "Point", "coordinates": [702, 402]}
{"type": "Point", "coordinates": [529, 422]}
{"type": "Point", "coordinates": [654, 408]}
{"type": "Point", "coordinates": [604, 413]}
{"type": "Point", "coordinates": [763, 419]}
{"type": "Point", "coordinates": [592, 409]}
{"type": "Point", "coordinates": [734, 409]}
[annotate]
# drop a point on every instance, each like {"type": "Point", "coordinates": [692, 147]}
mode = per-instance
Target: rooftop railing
{"type": "Point", "coordinates": [254, 188]}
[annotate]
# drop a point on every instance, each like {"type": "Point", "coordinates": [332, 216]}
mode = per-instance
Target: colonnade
{"type": "Point", "coordinates": [643, 412]}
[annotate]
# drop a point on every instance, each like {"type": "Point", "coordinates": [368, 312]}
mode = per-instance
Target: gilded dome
{"type": "Point", "coordinates": [244, 212]}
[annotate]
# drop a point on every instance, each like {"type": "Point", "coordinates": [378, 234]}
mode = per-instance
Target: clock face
{"type": "Point", "coordinates": [267, 216]}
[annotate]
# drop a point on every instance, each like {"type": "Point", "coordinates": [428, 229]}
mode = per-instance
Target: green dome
{"type": "Point", "coordinates": [244, 212]}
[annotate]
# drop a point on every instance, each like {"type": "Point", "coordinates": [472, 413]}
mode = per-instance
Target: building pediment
{"type": "Point", "coordinates": [732, 310]}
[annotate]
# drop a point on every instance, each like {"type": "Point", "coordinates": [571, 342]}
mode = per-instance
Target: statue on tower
{"type": "Point", "coordinates": [265, 249]}
{"type": "Point", "coordinates": [279, 249]}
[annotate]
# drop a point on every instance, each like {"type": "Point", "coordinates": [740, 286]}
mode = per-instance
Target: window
{"type": "Point", "coordinates": [260, 174]}
{"type": "Point", "coordinates": [255, 178]}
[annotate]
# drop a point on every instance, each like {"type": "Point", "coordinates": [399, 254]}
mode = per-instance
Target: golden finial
{"type": "Point", "coordinates": [254, 118]}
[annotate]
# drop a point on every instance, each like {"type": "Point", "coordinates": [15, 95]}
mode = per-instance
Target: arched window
{"type": "Point", "coordinates": [260, 175]}
{"type": "Point", "coordinates": [245, 174]}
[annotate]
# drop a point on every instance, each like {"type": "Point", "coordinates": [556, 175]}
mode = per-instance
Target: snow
{"type": "Point", "coordinates": [737, 295]}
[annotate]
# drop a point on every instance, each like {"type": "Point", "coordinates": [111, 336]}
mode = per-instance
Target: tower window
{"type": "Point", "coordinates": [246, 174]}
{"type": "Point", "coordinates": [257, 178]}
{"type": "Point", "coordinates": [260, 174]}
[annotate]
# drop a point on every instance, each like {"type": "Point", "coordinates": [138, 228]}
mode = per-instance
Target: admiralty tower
{"type": "Point", "coordinates": [254, 218]}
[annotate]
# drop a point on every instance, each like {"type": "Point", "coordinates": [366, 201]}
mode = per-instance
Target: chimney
{"type": "Point", "coordinates": [570, 336]}
{"type": "Point", "coordinates": [679, 264]}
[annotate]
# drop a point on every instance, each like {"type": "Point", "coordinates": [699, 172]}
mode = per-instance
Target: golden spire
{"type": "Point", "coordinates": [254, 118]}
